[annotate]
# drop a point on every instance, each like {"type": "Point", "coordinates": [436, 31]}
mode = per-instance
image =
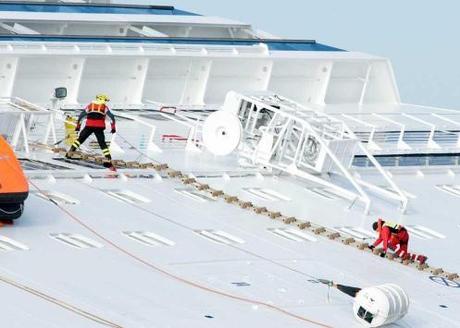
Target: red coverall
{"type": "Point", "coordinates": [392, 237]}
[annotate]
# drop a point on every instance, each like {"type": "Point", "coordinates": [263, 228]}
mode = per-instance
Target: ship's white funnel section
{"type": "Point", "coordinates": [222, 133]}
{"type": "Point", "coordinates": [380, 305]}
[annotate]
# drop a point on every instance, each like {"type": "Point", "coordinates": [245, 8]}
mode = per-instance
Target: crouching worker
{"type": "Point", "coordinates": [393, 236]}
{"type": "Point", "coordinates": [95, 114]}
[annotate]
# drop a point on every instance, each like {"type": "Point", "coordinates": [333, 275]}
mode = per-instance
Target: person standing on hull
{"type": "Point", "coordinates": [95, 114]}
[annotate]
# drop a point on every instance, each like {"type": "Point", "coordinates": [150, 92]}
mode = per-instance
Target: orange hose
{"type": "Point", "coordinates": [178, 278]}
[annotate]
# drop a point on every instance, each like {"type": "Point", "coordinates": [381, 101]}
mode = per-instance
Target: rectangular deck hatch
{"type": "Point", "coordinates": [454, 190]}
{"type": "Point", "coordinates": [194, 194]}
{"type": "Point", "coordinates": [148, 238]}
{"type": "Point", "coordinates": [219, 236]}
{"type": "Point", "coordinates": [292, 234]}
{"type": "Point", "coordinates": [423, 232]}
{"type": "Point", "coordinates": [8, 245]}
{"type": "Point", "coordinates": [75, 240]}
{"type": "Point", "coordinates": [266, 194]}
{"type": "Point", "coordinates": [357, 232]}
{"type": "Point", "coordinates": [32, 165]}
{"type": "Point", "coordinates": [58, 197]}
{"type": "Point", "coordinates": [127, 196]}
{"type": "Point", "coordinates": [328, 193]}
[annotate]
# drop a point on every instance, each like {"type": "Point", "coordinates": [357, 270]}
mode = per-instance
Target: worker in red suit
{"type": "Point", "coordinates": [393, 236]}
{"type": "Point", "coordinates": [95, 114]}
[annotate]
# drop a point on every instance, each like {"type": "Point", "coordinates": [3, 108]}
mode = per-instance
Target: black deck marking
{"type": "Point", "coordinates": [444, 282]}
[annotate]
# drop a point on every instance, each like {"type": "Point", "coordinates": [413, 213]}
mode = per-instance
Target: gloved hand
{"type": "Point", "coordinates": [371, 247]}
{"type": "Point", "coordinates": [113, 128]}
{"type": "Point", "coordinates": [383, 254]}
{"type": "Point", "coordinates": [77, 128]}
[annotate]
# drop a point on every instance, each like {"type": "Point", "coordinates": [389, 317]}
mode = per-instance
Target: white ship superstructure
{"type": "Point", "coordinates": [249, 167]}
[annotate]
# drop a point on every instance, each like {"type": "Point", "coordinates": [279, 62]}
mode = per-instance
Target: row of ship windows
{"type": "Point", "coordinates": [134, 198]}
{"type": "Point", "coordinates": [151, 239]}
{"type": "Point", "coordinates": [264, 194]}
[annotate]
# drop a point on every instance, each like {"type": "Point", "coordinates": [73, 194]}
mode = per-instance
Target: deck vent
{"type": "Point", "coordinates": [241, 284]}
{"type": "Point", "coordinates": [422, 232]}
{"type": "Point", "coordinates": [406, 193]}
{"type": "Point", "coordinates": [8, 245]}
{"type": "Point", "coordinates": [327, 193]}
{"type": "Point", "coordinates": [357, 232]}
{"type": "Point", "coordinates": [154, 116]}
{"type": "Point", "coordinates": [127, 196]}
{"type": "Point", "coordinates": [220, 237]}
{"type": "Point", "coordinates": [266, 194]}
{"type": "Point", "coordinates": [194, 194]}
{"type": "Point", "coordinates": [31, 165]}
{"type": "Point", "coordinates": [75, 240]}
{"type": "Point", "coordinates": [58, 197]}
{"type": "Point", "coordinates": [292, 234]}
{"type": "Point", "coordinates": [148, 238]}
{"type": "Point", "coordinates": [454, 190]}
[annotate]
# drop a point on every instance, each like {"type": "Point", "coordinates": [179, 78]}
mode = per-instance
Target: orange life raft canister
{"type": "Point", "coordinates": [14, 188]}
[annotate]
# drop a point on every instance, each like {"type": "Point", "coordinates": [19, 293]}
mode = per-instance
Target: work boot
{"type": "Point", "coordinates": [422, 259]}
{"type": "Point", "coordinates": [406, 257]}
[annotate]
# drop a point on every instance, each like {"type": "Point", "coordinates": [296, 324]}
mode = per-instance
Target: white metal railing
{"type": "Point", "coordinates": [440, 132]}
{"type": "Point", "coordinates": [23, 123]}
{"type": "Point", "coordinates": [28, 47]}
{"type": "Point", "coordinates": [282, 134]}
{"type": "Point", "coordinates": [151, 146]}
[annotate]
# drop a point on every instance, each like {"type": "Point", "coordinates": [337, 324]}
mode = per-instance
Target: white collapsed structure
{"type": "Point", "coordinates": [243, 158]}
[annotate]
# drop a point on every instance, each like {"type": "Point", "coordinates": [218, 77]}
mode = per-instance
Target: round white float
{"type": "Point", "coordinates": [380, 305]}
{"type": "Point", "coordinates": [222, 132]}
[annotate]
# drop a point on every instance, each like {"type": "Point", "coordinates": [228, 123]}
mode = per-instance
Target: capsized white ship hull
{"type": "Point", "coordinates": [180, 236]}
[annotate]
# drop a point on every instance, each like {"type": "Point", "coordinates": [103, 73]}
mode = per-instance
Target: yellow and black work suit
{"type": "Point", "coordinates": [95, 114]}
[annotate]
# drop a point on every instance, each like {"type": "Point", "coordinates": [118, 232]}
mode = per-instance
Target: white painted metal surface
{"type": "Point", "coordinates": [142, 250]}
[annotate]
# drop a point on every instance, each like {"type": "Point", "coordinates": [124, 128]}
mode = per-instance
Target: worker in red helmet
{"type": "Point", "coordinates": [393, 236]}
{"type": "Point", "coordinates": [95, 114]}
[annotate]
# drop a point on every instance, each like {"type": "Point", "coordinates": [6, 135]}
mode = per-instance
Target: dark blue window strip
{"type": "Point", "coordinates": [93, 9]}
{"type": "Point", "coordinates": [276, 45]}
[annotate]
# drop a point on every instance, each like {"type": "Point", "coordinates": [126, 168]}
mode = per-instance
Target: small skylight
{"type": "Point", "coordinates": [357, 232]}
{"type": "Point", "coordinates": [8, 245]}
{"type": "Point", "coordinates": [194, 194]}
{"type": "Point", "coordinates": [292, 234]}
{"type": "Point", "coordinates": [76, 240]}
{"type": "Point", "coordinates": [58, 197]}
{"type": "Point", "coordinates": [266, 194]}
{"type": "Point", "coordinates": [327, 193]}
{"type": "Point", "coordinates": [127, 196]}
{"type": "Point", "coordinates": [454, 190]}
{"type": "Point", "coordinates": [423, 232]}
{"type": "Point", "coordinates": [220, 237]}
{"type": "Point", "coordinates": [148, 238]}
{"type": "Point", "coordinates": [406, 193]}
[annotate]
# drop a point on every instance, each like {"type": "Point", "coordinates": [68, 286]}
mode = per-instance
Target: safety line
{"type": "Point", "coordinates": [136, 149]}
{"type": "Point", "coordinates": [317, 229]}
{"type": "Point", "coordinates": [60, 303]}
{"type": "Point", "coordinates": [54, 300]}
{"type": "Point", "coordinates": [176, 277]}
{"type": "Point", "coordinates": [233, 246]}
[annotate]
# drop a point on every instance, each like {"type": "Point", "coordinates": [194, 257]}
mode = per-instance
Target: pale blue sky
{"type": "Point", "coordinates": [419, 36]}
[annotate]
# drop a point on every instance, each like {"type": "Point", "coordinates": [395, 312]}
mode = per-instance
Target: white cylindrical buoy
{"type": "Point", "coordinates": [222, 132]}
{"type": "Point", "coordinates": [380, 305]}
